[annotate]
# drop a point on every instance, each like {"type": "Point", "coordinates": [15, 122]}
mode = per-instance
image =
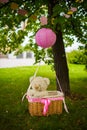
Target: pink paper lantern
{"type": "Point", "coordinates": [22, 12]}
{"type": "Point", "coordinates": [43, 20]}
{"type": "Point", "coordinates": [74, 9]}
{"type": "Point", "coordinates": [4, 1]}
{"type": "Point", "coordinates": [66, 16]}
{"type": "Point", "coordinates": [45, 38]}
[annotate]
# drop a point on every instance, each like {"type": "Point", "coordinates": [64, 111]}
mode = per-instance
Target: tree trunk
{"type": "Point", "coordinates": [60, 62]}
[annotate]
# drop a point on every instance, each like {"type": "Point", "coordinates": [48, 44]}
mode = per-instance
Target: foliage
{"type": "Point", "coordinates": [14, 113]}
{"type": "Point", "coordinates": [11, 40]}
{"type": "Point", "coordinates": [77, 57]}
{"type": "Point", "coordinates": [12, 36]}
{"type": "Point", "coordinates": [84, 48]}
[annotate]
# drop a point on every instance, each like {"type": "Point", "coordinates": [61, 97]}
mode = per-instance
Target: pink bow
{"type": "Point", "coordinates": [46, 103]}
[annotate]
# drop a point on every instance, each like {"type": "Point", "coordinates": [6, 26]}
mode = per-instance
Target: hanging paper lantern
{"type": "Point", "coordinates": [22, 12]}
{"type": "Point", "coordinates": [14, 6]}
{"type": "Point", "coordinates": [80, 1]}
{"type": "Point", "coordinates": [26, 22]}
{"type": "Point", "coordinates": [66, 16]}
{"type": "Point", "coordinates": [4, 1]}
{"type": "Point", "coordinates": [74, 9]}
{"type": "Point", "coordinates": [70, 12]}
{"type": "Point", "coordinates": [43, 20]}
{"type": "Point", "coordinates": [22, 25]}
{"type": "Point", "coordinates": [45, 37]}
{"type": "Point", "coordinates": [34, 17]}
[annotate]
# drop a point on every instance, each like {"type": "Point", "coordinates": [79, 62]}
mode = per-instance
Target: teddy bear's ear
{"type": "Point", "coordinates": [47, 81]}
{"type": "Point", "coordinates": [31, 78]}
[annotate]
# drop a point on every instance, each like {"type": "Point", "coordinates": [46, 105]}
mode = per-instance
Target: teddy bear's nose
{"type": "Point", "coordinates": [36, 87]}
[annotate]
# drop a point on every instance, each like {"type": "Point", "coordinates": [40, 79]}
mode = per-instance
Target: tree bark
{"type": "Point", "coordinates": [60, 62]}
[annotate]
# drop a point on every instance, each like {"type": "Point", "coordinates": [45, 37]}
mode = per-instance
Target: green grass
{"type": "Point", "coordinates": [14, 113]}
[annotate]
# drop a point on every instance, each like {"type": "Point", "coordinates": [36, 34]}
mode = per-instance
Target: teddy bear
{"type": "Point", "coordinates": [39, 86]}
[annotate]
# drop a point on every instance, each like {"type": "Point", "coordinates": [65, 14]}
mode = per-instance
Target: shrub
{"type": "Point", "coordinates": [77, 57]}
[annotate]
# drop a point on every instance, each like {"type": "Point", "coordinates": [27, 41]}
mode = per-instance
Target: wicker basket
{"type": "Point", "coordinates": [55, 107]}
{"type": "Point", "coordinates": [36, 108]}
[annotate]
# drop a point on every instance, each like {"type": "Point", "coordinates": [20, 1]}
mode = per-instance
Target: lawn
{"type": "Point", "coordinates": [14, 113]}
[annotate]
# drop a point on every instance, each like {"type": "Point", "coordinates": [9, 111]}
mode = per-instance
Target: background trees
{"type": "Point", "coordinates": [66, 21]}
{"type": "Point", "coordinates": [77, 57]}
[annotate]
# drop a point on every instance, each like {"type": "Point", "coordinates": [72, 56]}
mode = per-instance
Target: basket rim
{"type": "Point", "coordinates": [51, 94]}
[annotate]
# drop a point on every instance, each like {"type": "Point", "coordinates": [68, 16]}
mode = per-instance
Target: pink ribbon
{"type": "Point", "coordinates": [45, 101]}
